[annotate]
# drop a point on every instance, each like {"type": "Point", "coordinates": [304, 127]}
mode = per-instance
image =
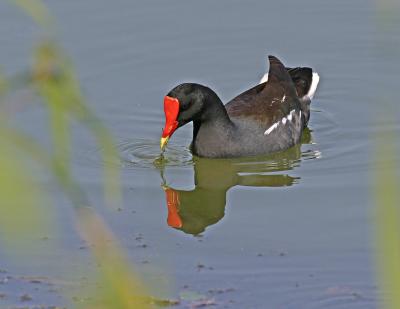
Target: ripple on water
{"type": "Point", "coordinates": [139, 153]}
{"type": "Point", "coordinates": [146, 153]}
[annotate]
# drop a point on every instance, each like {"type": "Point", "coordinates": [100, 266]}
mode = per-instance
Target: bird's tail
{"type": "Point", "coordinates": [304, 79]}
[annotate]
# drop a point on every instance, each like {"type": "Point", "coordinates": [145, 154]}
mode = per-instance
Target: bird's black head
{"type": "Point", "coordinates": [186, 102]}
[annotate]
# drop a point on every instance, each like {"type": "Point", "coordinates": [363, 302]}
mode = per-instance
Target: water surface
{"type": "Point", "coordinates": [286, 231]}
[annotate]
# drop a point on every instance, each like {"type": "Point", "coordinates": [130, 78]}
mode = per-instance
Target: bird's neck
{"type": "Point", "coordinates": [214, 117]}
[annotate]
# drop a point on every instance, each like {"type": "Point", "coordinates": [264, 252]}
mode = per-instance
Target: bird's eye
{"type": "Point", "coordinates": [184, 106]}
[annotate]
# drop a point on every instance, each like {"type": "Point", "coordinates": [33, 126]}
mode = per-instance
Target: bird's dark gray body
{"type": "Point", "coordinates": [247, 139]}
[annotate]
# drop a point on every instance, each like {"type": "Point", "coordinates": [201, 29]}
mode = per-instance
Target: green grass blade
{"type": "Point", "coordinates": [57, 83]}
{"type": "Point", "coordinates": [35, 9]}
{"type": "Point", "coordinates": [23, 209]}
{"type": "Point", "coordinates": [387, 222]}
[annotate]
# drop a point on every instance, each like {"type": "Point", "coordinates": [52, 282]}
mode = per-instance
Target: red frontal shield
{"type": "Point", "coordinates": [171, 110]}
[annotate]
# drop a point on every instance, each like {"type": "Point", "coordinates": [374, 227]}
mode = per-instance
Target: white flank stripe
{"type": "Point", "coordinates": [284, 120]}
{"type": "Point", "coordinates": [271, 128]}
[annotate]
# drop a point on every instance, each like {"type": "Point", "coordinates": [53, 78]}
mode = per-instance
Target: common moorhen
{"type": "Point", "coordinates": [269, 117]}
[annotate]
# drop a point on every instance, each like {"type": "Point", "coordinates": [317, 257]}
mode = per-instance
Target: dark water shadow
{"type": "Point", "coordinates": [192, 211]}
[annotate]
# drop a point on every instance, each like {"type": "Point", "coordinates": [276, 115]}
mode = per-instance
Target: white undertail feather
{"type": "Point", "coordinates": [311, 91]}
{"type": "Point", "coordinates": [314, 85]}
{"type": "Point", "coordinates": [264, 78]}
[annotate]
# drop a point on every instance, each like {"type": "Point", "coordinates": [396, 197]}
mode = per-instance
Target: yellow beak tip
{"type": "Point", "coordinates": [163, 142]}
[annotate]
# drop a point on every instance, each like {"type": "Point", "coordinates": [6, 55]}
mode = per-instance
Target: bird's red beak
{"type": "Point", "coordinates": [171, 110]}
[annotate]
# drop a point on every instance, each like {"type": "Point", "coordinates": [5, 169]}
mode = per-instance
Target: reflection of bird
{"type": "Point", "coordinates": [267, 118]}
{"type": "Point", "coordinates": [192, 211]}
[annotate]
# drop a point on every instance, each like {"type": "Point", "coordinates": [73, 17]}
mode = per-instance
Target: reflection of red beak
{"type": "Point", "coordinates": [171, 110]}
{"type": "Point", "coordinates": [173, 220]}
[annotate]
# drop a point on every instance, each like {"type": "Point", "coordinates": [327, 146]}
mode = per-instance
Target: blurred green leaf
{"type": "Point", "coordinates": [56, 82]}
{"type": "Point", "coordinates": [22, 199]}
{"type": "Point", "coordinates": [387, 221]}
{"type": "Point", "coordinates": [36, 153]}
{"type": "Point", "coordinates": [35, 9]}
{"type": "Point", "coordinates": [54, 79]}
{"type": "Point", "coordinates": [118, 286]}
